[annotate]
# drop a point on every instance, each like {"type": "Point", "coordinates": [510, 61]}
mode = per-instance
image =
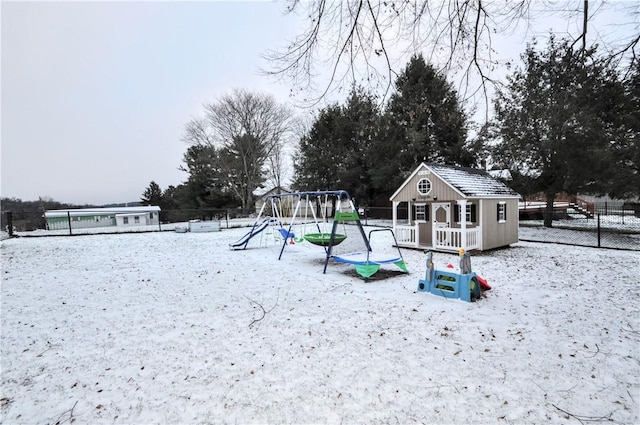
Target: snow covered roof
{"type": "Point", "coordinates": [101, 211]}
{"type": "Point", "coordinates": [471, 181]}
{"type": "Point", "coordinates": [263, 191]}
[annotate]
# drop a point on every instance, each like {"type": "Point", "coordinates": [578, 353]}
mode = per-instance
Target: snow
{"type": "Point", "coordinates": [175, 328]}
{"type": "Point", "coordinates": [472, 182]}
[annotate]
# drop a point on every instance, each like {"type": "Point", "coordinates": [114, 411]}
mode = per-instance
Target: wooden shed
{"type": "Point", "coordinates": [452, 207]}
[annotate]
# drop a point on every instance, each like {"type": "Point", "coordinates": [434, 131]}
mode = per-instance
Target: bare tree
{"type": "Point", "coordinates": [276, 166]}
{"type": "Point", "coordinates": [365, 41]}
{"type": "Point", "coordinates": [198, 132]}
{"type": "Point", "coordinates": [247, 130]}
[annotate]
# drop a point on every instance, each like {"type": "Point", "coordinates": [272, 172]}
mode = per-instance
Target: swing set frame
{"type": "Point", "coordinates": [327, 240]}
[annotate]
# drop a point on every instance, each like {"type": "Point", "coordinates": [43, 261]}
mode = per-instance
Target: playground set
{"type": "Point", "coordinates": [344, 214]}
{"type": "Point", "coordinates": [463, 284]}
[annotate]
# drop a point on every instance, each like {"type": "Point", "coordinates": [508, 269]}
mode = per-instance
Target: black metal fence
{"type": "Point", "coordinates": [613, 225]}
{"type": "Point", "coordinates": [602, 231]}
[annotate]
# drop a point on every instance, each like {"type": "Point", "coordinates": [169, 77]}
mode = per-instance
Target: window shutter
{"type": "Point", "coordinates": [498, 212]}
{"type": "Point", "coordinates": [456, 214]}
{"type": "Point", "coordinates": [502, 211]}
{"type": "Point", "coordinates": [473, 213]}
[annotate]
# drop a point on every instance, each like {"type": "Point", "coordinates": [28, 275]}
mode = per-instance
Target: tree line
{"type": "Point", "coordinates": [566, 121]}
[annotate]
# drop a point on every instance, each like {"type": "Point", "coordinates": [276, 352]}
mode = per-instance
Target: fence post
{"type": "Point", "coordinates": [10, 223]}
{"type": "Point", "coordinates": [598, 230]}
{"type": "Point", "coordinates": [69, 221]}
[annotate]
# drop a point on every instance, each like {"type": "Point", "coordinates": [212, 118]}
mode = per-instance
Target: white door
{"type": "Point", "coordinates": [441, 217]}
{"type": "Point", "coordinates": [441, 214]}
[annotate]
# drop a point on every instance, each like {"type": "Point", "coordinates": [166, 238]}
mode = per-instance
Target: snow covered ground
{"type": "Point", "coordinates": [176, 328]}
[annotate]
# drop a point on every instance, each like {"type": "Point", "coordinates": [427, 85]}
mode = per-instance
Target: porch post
{"type": "Point", "coordinates": [463, 223]}
{"type": "Point", "coordinates": [394, 215]}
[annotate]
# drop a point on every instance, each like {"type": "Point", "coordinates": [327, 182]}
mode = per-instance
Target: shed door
{"type": "Point", "coordinates": [441, 213]}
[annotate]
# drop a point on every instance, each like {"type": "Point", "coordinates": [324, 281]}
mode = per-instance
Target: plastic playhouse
{"type": "Point", "coordinates": [462, 283]}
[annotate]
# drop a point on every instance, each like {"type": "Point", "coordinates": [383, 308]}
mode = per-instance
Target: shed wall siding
{"type": "Point", "coordinates": [495, 234]}
{"type": "Point", "coordinates": [439, 190]}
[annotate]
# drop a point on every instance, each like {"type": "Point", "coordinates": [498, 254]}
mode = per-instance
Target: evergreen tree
{"type": "Point", "coordinates": [152, 195]}
{"type": "Point", "coordinates": [319, 153]}
{"type": "Point", "coordinates": [424, 121]}
{"type": "Point", "coordinates": [359, 130]}
{"type": "Point", "coordinates": [624, 176]}
{"type": "Point", "coordinates": [335, 153]}
{"type": "Point", "coordinates": [554, 121]}
{"type": "Point", "coordinates": [206, 186]}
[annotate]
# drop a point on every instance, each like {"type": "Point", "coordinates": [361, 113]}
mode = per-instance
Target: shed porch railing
{"type": "Point", "coordinates": [448, 239]}
{"type": "Point", "coordinates": [407, 235]}
{"type": "Point", "coordinates": [444, 239]}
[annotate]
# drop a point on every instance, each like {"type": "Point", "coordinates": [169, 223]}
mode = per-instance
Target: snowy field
{"type": "Point", "coordinates": [175, 328]}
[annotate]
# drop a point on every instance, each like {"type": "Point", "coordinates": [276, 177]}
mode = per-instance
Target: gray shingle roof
{"type": "Point", "coordinates": [472, 182]}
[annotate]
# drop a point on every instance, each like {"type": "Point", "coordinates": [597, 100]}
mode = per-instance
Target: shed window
{"type": "Point", "coordinates": [136, 219]}
{"type": "Point", "coordinates": [502, 212]}
{"type": "Point", "coordinates": [421, 213]}
{"type": "Point", "coordinates": [424, 186]}
{"type": "Point", "coordinates": [470, 214]}
{"type": "Point", "coordinates": [125, 220]}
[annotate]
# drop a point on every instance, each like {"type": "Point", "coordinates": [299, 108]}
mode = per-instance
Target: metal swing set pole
{"type": "Point", "coordinates": [293, 219]}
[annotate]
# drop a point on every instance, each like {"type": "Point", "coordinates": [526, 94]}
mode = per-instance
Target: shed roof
{"type": "Point", "coordinates": [470, 182]}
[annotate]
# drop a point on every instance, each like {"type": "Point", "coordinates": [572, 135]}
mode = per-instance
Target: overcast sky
{"type": "Point", "coordinates": [95, 95]}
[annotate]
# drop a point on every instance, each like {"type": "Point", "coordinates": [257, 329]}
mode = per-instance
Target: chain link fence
{"type": "Point", "coordinates": [613, 225]}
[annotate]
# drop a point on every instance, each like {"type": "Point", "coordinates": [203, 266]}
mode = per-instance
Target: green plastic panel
{"type": "Point", "coordinates": [322, 239]}
{"type": "Point", "coordinates": [367, 270]}
{"type": "Point", "coordinates": [346, 216]}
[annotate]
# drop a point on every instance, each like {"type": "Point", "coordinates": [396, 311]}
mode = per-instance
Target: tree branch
{"type": "Point", "coordinates": [264, 312]}
{"type": "Point", "coordinates": [583, 419]}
